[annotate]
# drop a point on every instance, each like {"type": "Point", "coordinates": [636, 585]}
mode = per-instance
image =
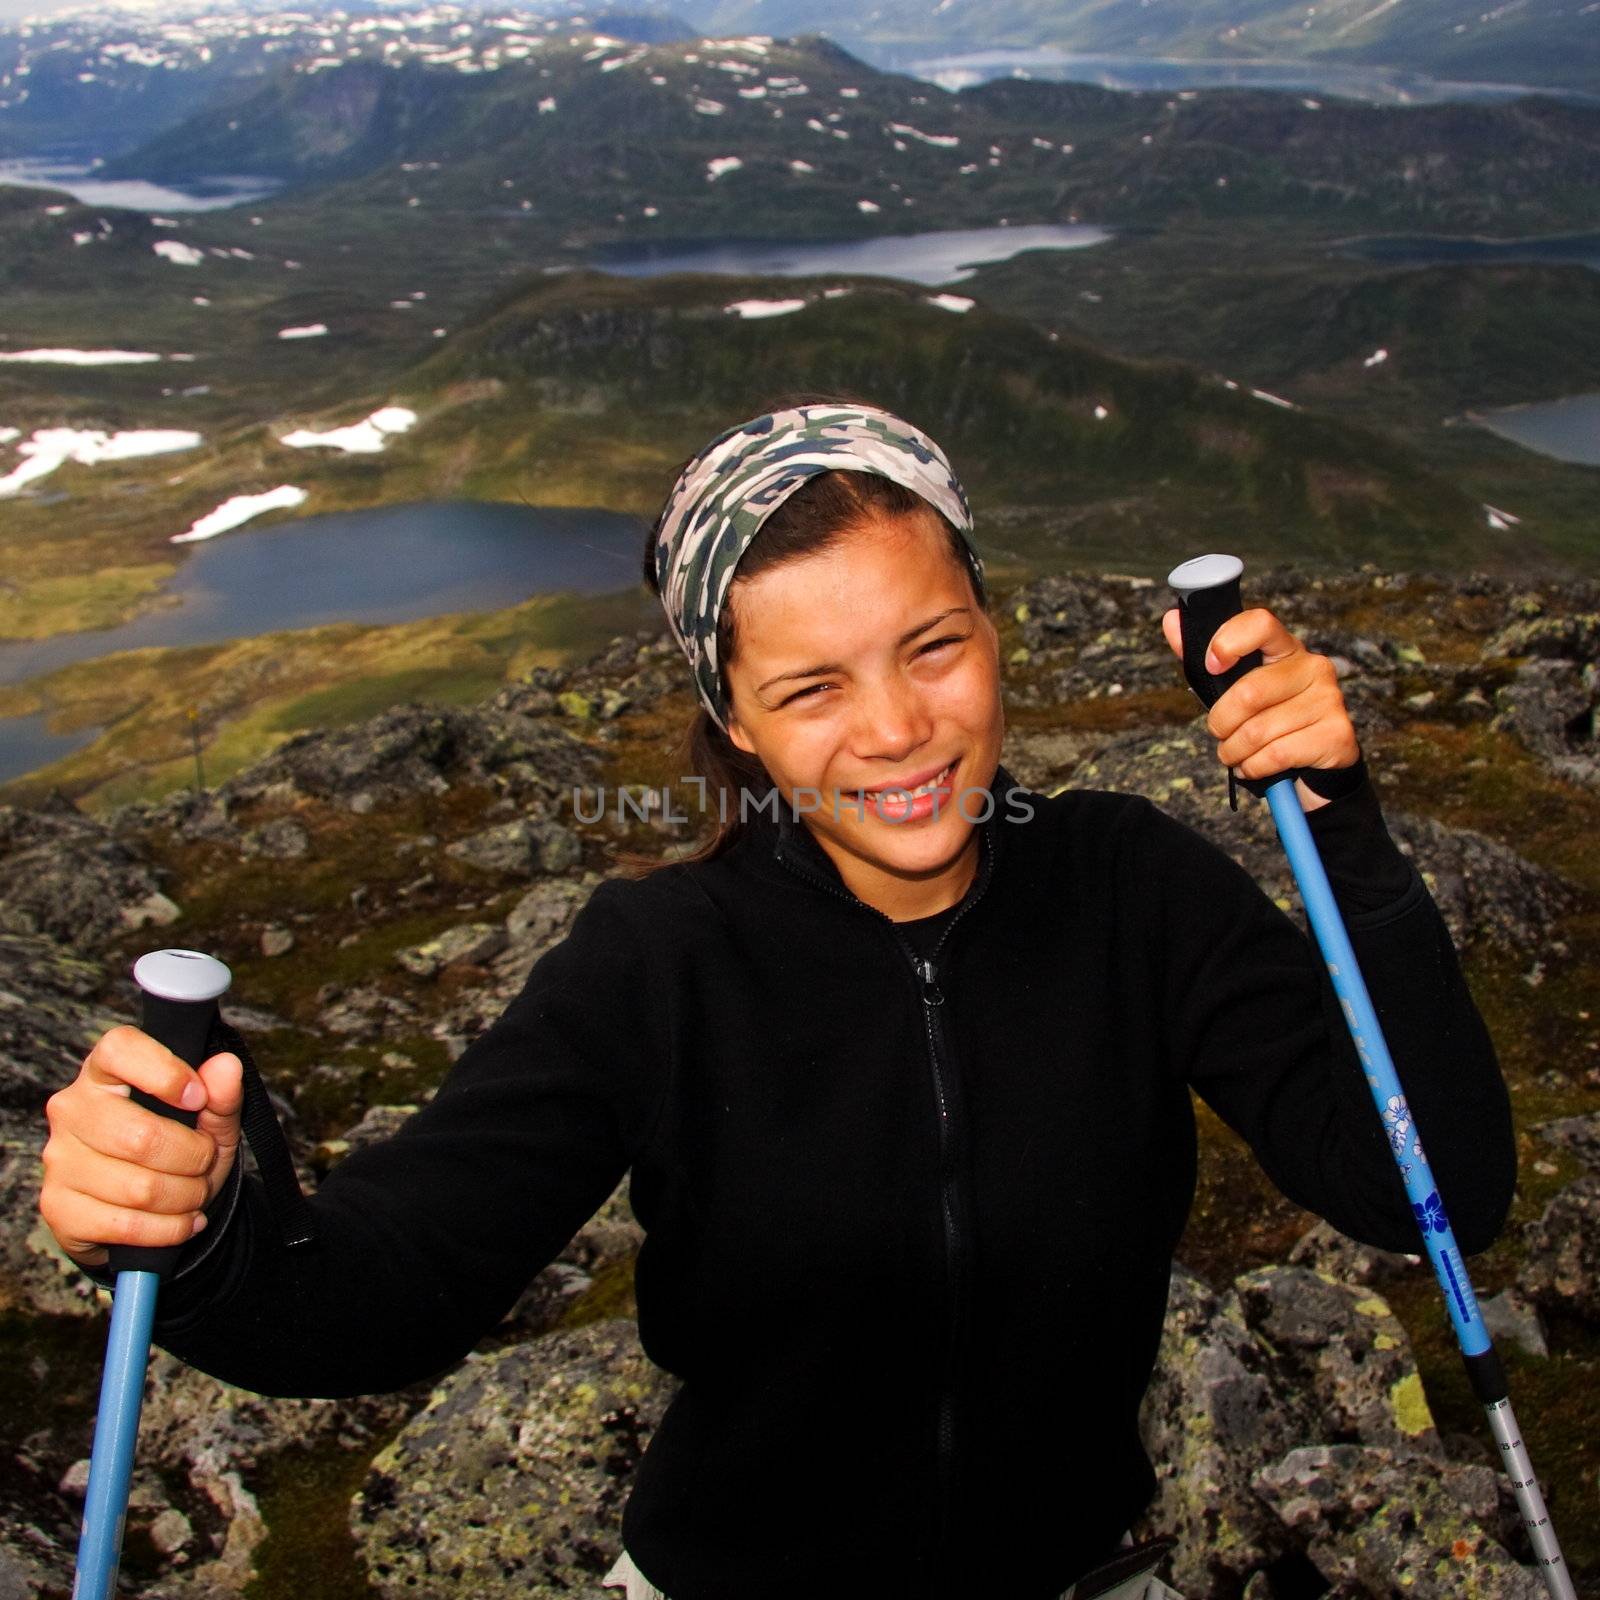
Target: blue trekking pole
{"type": "Point", "coordinates": [1208, 594]}
{"type": "Point", "coordinates": [179, 995]}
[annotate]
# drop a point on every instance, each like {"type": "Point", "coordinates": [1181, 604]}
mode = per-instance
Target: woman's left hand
{"type": "Point", "coordinates": [1289, 712]}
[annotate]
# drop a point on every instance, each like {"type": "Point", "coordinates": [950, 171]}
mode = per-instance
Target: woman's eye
{"type": "Point", "coordinates": [954, 638]}
{"type": "Point", "coordinates": [936, 644]}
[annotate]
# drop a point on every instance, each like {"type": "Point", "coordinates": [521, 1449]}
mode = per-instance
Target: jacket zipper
{"type": "Point", "coordinates": [951, 1195]}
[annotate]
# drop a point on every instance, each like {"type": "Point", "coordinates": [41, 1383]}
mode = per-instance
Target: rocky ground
{"type": "Point", "coordinates": [381, 891]}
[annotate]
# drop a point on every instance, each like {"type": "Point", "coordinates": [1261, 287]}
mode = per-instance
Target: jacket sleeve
{"type": "Point", "coordinates": [1254, 1024]}
{"type": "Point", "coordinates": [424, 1240]}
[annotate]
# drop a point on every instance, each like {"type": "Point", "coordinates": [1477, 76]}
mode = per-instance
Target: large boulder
{"type": "Point", "coordinates": [1215, 1413]}
{"type": "Point", "coordinates": [553, 1429]}
{"type": "Point", "coordinates": [1339, 1345]}
{"type": "Point", "coordinates": [1374, 1524]}
{"type": "Point", "coordinates": [67, 875]}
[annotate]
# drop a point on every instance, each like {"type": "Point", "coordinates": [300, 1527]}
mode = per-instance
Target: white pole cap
{"type": "Point", "coordinates": [1204, 572]}
{"type": "Point", "coordinates": [181, 975]}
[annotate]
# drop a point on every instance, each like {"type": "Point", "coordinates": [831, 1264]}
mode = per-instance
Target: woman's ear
{"type": "Point", "coordinates": [740, 739]}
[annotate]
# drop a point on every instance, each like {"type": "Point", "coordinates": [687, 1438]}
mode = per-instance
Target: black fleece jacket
{"type": "Point", "coordinates": [908, 1229]}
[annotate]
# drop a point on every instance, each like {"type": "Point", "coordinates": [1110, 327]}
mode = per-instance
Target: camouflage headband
{"type": "Point", "coordinates": [729, 489]}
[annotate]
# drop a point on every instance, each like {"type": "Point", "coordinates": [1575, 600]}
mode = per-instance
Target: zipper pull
{"type": "Point", "coordinates": [931, 993]}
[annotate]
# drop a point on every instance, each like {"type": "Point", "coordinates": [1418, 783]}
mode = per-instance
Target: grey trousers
{"type": "Point", "coordinates": [1146, 1586]}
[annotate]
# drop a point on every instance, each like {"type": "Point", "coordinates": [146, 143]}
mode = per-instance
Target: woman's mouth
{"type": "Point", "coordinates": [897, 804]}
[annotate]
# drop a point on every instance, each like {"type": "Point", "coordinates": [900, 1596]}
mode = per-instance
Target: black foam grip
{"type": "Point", "coordinates": [183, 1026]}
{"type": "Point", "coordinates": [1199, 616]}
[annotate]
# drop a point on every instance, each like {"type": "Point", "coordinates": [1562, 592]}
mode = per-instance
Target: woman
{"type": "Point", "coordinates": [900, 1064]}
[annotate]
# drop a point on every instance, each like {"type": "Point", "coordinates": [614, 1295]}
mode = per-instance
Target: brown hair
{"type": "Point", "coordinates": [823, 510]}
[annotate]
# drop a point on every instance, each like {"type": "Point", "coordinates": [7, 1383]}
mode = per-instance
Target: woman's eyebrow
{"type": "Point", "coordinates": [905, 638]}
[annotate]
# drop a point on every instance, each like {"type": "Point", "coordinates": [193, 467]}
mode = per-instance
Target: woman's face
{"type": "Point", "coordinates": [866, 665]}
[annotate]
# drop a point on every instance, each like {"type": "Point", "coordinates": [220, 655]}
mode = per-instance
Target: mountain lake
{"type": "Point", "coordinates": [1384, 85]}
{"type": "Point", "coordinates": [945, 256]}
{"type": "Point", "coordinates": [78, 180]}
{"type": "Point", "coordinates": [388, 564]}
{"type": "Point", "coordinates": [1567, 429]}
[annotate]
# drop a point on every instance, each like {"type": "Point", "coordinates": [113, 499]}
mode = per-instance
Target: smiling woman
{"type": "Point", "coordinates": [852, 662]}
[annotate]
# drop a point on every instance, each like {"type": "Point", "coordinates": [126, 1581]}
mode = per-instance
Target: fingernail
{"type": "Point", "coordinates": [1212, 664]}
{"type": "Point", "coordinates": [199, 1223]}
{"type": "Point", "coordinates": [194, 1095]}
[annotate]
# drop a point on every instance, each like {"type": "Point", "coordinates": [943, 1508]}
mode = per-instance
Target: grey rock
{"type": "Point", "coordinates": [1340, 1345]}
{"type": "Point", "coordinates": [50, 1015]}
{"type": "Point", "coordinates": [471, 944]}
{"type": "Point", "coordinates": [276, 941]}
{"type": "Point", "coordinates": [1512, 1318]}
{"type": "Point", "coordinates": [1323, 1249]}
{"type": "Point", "coordinates": [35, 1274]}
{"type": "Point", "coordinates": [521, 847]}
{"type": "Point", "coordinates": [1579, 1135]}
{"type": "Point", "coordinates": [282, 839]}
{"type": "Point", "coordinates": [1570, 638]}
{"type": "Point", "coordinates": [1552, 706]}
{"type": "Point", "coordinates": [1382, 1526]}
{"type": "Point", "coordinates": [1213, 1415]}
{"type": "Point", "coordinates": [1561, 1264]}
{"type": "Point", "coordinates": [554, 1428]}
{"type": "Point", "coordinates": [156, 909]}
{"type": "Point", "coordinates": [610, 1238]}
{"type": "Point", "coordinates": [377, 1123]}
{"type": "Point", "coordinates": [66, 875]}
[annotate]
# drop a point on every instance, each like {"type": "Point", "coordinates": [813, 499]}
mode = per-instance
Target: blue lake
{"type": "Point", "coordinates": [1417, 250]}
{"type": "Point", "coordinates": [1384, 85]}
{"type": "Point", "coordinates": [80, 182]}
{"type": "Point", "coordinates": [1567, 429]}
{"type": "Point", "coordinates": [947, 255]}
{"type": "Point", "coordinates": [392, 564]}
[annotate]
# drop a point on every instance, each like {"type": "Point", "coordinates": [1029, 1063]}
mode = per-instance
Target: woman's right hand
{"type": "Point", "coordinates": [117, 1173]}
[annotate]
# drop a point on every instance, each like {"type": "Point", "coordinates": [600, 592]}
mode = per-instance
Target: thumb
{"type": "Point", "coordinates": [223, 1077]}
{"type": "Point", "coordinates": [1173, 629]}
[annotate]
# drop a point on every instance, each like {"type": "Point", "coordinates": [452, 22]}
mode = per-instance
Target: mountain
{"type": "Point", "coordinates": [1547, 42]}
{"type": "Point", "coordinates": [597, 138]}
{"type": "Point", "coordinates": [101, 79]}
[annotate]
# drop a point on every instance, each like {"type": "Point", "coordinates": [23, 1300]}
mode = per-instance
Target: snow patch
{"type": "Point", "coordinates": [240, 509]}
{"type": "Point", "coordinates": [1273, 399]}
{"type": "Point", "coordinates": [868, 206]}
{"type": "Point", "coordinates": [765, 308]}
{"type": "Point", "coordinates": [945, 141]}
{"type": "Point", "coordinates": [80, 358]}
{"type": "Point", "coordinates": [361, 438]}
{"type": "Point", "coordinates": [311, 330]}
{"type": "Point", "coordinates": [1377, 358]}
{"type": "Point", "coordinates": [50, 447]}
{"type": "Point", "coordinates": [949, 302]}
{"type": "Point", "coordinates": [718, 165]}
{"type": "Point", "coordinates": [183, 255]}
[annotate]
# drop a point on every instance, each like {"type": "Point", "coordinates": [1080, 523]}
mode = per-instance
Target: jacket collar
{"type": "Point", "coordinates": [788, 842]}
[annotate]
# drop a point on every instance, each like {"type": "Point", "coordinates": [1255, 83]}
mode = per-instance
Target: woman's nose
{"type": "Point", "coordinates": [892, 717]}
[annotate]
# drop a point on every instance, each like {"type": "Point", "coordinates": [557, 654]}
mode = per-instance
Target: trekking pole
{"type": "Point", "coordinates": [179, 996]}
{"type": "Point", "coordinates": [1208, 594]}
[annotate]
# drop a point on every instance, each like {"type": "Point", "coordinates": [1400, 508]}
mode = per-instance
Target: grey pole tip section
{"type": "Point", "coordinates": [1204, 572]}
{"type": "Point", "coordinates": [183, 975]}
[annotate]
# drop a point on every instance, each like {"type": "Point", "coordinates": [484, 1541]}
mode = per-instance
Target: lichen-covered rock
{"type": "Point", "coordinates": [1512, 1318]}
{"type": "Point", "coordinates": [1552, 707]}
{"type": "Point", "coordinates": [511, 1481]}
{"type": "Point", "coordinates": [1214, 1414]}
{"type": "Point", "coordinates": [1573, 637]}
{"type": "Point", "coordinates": [1323, 1249]}
{"type": "Point", "coordinates": [50, 1015]}
{"type": "Point", "coordinates": [35, 1275]}
{"type": "Point", "coordinates": [1339, 1344]}
{"type": "Point", "coordinates": [471, 944]}
{"type": "Point", "coordinates": [1561, 1267]}
{"type": "Point", "coordinates": [1383, 1526]}
{"type": "Point", "coordinates": [523, 846]}
{"type": "Point", "coordinates": [67, 875]}
{"type": "Point", "coordinates": [282, 839]}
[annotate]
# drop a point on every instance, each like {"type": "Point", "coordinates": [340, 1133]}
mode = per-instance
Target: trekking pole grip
{"type": "Point", "coordinates": [178, 993]}
{"type": "Point", "coordinates": [1208, 594]}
